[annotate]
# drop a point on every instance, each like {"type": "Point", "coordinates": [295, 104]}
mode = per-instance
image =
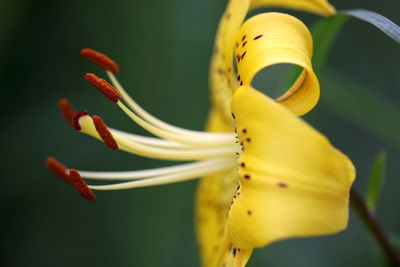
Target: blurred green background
{"type": "Point", "coordinates": [163, 49]}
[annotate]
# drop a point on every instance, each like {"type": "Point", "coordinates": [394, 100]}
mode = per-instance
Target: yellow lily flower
{"type": "Point", "coordinates": [267, 175]}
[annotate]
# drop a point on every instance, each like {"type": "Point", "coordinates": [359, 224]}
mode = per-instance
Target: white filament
{"type": "Point", "coordinates": [168, 178]}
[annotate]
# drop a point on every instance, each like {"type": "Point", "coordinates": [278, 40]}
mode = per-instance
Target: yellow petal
{"type": "Point", "coordinates": [293, 182]}
{"type": "Point", "coordinates": [275, 38]}
{"type": "Point", "coordinates": [321, 7]}
{"type": "Point", "coordinates": [222, 76]}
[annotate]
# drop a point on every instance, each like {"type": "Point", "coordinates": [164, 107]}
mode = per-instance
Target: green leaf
{"type": "Point", "coordinates": [376, 181]}
{"type": "Point", "coordinates": [324, 34]}
{"type": "Point", "coordinates": [384, 24]}
{"type": "Point", "coordinates": [360, 105]}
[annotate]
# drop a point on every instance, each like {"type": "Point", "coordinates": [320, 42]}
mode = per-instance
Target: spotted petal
{"type": "Point", "coordinates": [294, 183]}
{"type": "Point", "coordinates": [275, 38]}
{"type": "Point", "coordinates": [222, 81]}
{"type": "Point", "coordinates": [222, 74]}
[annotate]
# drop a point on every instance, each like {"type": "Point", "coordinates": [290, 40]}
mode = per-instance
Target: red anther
{"type": "Point", "coordinates": [100, 59]}
{"type": "Point", "coordinates": [103, 86]}
{"type": "Point", "coordinates": [75, 119]}
{"type": "Point", "coordinates": [81, 186]}
{"type": "Point", "coordinates": [104, 133]}
{"type": "Point", "coordinates": [58, 169]}
{"type": "Point", "coordinates": [67, 110]}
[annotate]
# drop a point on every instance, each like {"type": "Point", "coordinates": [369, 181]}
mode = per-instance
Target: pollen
{"type": "Point", "coordinates": [58, 169]}
{"type": "Point", "coordinates": [81, 186]}
{"type": "Point", "coordinates": [100, 59]}
{"type": "Point", "coordinates": [67, 110]}
{"type": "Point", "coordinates": [75, 119]}
{"type": "Point", "coordinates": [103, 86]}
{"type": "Point", "coordinates": [104, 133]}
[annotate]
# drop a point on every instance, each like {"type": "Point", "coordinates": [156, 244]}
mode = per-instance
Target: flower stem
{"type": "Point", "coordinates": [374, 226]}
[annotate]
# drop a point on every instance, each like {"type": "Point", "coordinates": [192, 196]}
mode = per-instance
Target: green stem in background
{"type": "Point", "coordinates": [373, 225]}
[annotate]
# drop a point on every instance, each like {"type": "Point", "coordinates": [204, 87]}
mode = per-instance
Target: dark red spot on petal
{"type": "Point", "coordinates": [258, 37]}
{"type": "Point", "coordinates": [283, 185]}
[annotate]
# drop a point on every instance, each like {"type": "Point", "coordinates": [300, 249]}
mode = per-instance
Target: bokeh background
{"type": "Point", "coordinates": [163, 49]}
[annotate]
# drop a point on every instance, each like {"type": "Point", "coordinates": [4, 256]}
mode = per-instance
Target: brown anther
{"type": "Point", "coordinates": [81, 186]}
{"type": "Point", "coordinates": [103, 86]}
{"type": "Point", "coordinates": [58, 169]}
{"type": "Point", "coordinates": [76, 117]}
{"type": "Point", "coordinates": [100, 59]}
{"type": "Point", "coordinates": [67, 110]}
{"type": "Point", "coordinates": [104, 133]}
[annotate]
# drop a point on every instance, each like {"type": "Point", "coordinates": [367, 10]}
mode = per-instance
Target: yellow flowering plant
{"type": "Point", "coordinates": [267, 175]}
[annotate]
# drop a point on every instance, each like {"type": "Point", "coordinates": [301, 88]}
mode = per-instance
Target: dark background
{"type": "Point", "coordinates": [163, 49]}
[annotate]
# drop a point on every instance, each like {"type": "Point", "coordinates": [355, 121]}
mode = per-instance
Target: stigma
{"type": "Point", "coordinates": [204, 153]}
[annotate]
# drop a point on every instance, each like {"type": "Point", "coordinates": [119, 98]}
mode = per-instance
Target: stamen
{"type": "Point", "coordinates": [153, 141]}
{"type": "Point", "coordinates": [173, 153]}
{"type": "Point", "coordinates": [193, 140]}
{"type": "Point", "coordinates": [169, 178]}
{"type": "Point", "coordinates": [58, 169]}
{"type": "Point", "coordinates": [194, 153]}
{"type": "Point", "coordinates": [75, 119]}
{"type": "Point", "coordinates": [100, 59]}
{"type": "Point", "coordinates": [67, 110]}
{"type": "Point", "coordinates": [103, 86]}
{"type": "Point", "coordinates": [142, 174]}
{"type": "Point", "coordinates": [155, 121]}
{"type": "Point", "coordinates": [81, 186]}
{"type": "Point", "coordinates": [104, 133]}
